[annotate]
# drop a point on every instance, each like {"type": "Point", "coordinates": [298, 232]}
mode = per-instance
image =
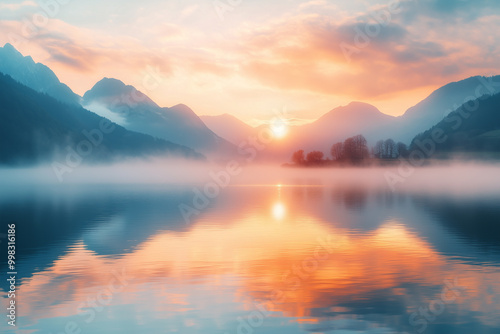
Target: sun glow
{"type": "Point", "coordinates": [279, 129]}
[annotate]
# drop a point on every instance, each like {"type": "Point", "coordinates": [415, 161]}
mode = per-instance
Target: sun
{"type": "Point", "coordinates": [279, 129]}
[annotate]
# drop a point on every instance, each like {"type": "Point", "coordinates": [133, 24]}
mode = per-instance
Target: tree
{"type": "Point", "coordinates": [402, 150]}
{"type": "Point", "coordinates": [349, 149]}
{"type": "Point", "coordinates": [360, 147]}
{"type": "Point", "coordinates": [378, 150]}
{"type": "Point", "coordinates": [389, 148]}
{"type": "Point", "coordinates": [315, 157]}
{"type": "Point", "coordinates": [355, 149]}
{"type": "Point", "coordinates": [337, 150]}
{"type": "Point", "coordinates": [298, 157]}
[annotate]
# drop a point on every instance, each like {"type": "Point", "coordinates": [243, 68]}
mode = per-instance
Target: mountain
{"type": "Point", "coordinates": [135, 111]}
{"type": "Point", "coordinates": [440, 103]}
{"type": "Point", "coordinates": [361, 118]}
{"type": "Point", "coordinates": [346, 121]}
{"type": "Point", "coordinates": [465, 130]}
{"type": "Point", "coordinates": [34, 75]}
{"type": "Point", "coordinates": [38, 128]}
{"type": "Point", "coordinates": [229, 127]}
{"type": "Point", "coordinates": [335, 126]}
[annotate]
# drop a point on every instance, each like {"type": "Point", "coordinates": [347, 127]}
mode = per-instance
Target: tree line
{"type": "Point", "coordinates": [352, 151]}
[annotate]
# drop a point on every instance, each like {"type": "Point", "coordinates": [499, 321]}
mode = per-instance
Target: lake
{"type": "Point", "coordinates": [299, 255]}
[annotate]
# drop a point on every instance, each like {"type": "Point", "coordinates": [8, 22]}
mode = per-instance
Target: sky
{"type": "Point", "coordinates": [253, 59]}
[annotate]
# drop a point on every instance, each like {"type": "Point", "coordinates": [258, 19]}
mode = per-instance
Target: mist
{"type": "Point", "coordinates": [456, 178]}
{"type": "Point", "coordinates": [101, 110]}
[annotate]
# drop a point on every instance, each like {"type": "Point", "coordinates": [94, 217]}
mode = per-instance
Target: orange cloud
{"type": "Point", "coordinates": [306, 52]}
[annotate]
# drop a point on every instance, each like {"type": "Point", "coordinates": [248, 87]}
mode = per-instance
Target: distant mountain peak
{"type": "Point", "coordinates": [357, 105]}
{"type": "Point", "coordinates": [435, 107]}
{"type": "Point", "coordinates": [34, 75]}
{"type": "Point", "coordinates": [113, 88]}
{"type": "Point", "coordinates": [110, 86]}
{"type": "Point", "coordinates": [183, 108]}
{"type": "Point", "coordinates": [15, 56]}
{"type": "Point", "coordinates": [12, 54]}
{"type": "Point", "coordinates": [10, 48]}
{"type": "Point", "coordinates": [107, 80]}
{"type": "Point", "coordinates": [354, 109]}
{"type": "Point", "coordinates": [187, 113]}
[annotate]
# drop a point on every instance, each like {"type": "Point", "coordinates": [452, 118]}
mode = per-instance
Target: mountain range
{"type": "Point", "coordinates": [136, 111]}
{"type": "Point", "coordinates": [179, 129]}
{"type": "Point", "coordinates": [229, 127]}
{"type": "Point", "coordinates": [471, 128]}
{"type": "Point", "coordinates": [440, 103]}
{"type": "Point", "coordinates": [362, 118]}
{"type": "Point", "coordinates": [344, 122]}
{"type": "Point", "coordinates": [37, 128]}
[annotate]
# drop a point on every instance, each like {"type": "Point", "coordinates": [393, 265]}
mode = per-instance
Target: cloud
{"type": "Point", "coordinates": [454, 6]}
{"type": "Point", "coordinates": [313, 3]}
{"type": "Point", "coordinates": [65, 50]}
{"type": "Point", "coordinates": [188, 11]}
{"type": "Point", "coordinates": [17, 11]}
{"type": "Point", "coordinates": [420, 52]}
{"type": "Point", "coordinates": [16, 6]}
{"type": "Point", "coordinates": [305, 52]}
{"type": "Point", "coordinates": [447, 10]}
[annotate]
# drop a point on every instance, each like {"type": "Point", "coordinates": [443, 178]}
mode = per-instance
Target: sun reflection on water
{"type": "Point", "coordinates": [246, 259]}
{"type": "Point", "coordinates": [279, 211]}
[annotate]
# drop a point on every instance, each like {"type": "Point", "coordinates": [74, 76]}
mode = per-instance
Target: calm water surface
{"type": "Point", "coordinates": [259, 259]}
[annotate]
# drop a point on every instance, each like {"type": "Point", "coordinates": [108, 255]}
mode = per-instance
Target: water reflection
{"type": "Point", "coordinates": [278, 259]}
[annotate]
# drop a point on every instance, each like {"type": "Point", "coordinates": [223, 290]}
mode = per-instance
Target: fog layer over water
{"type": "Point", "coordinates": [458, 178]}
